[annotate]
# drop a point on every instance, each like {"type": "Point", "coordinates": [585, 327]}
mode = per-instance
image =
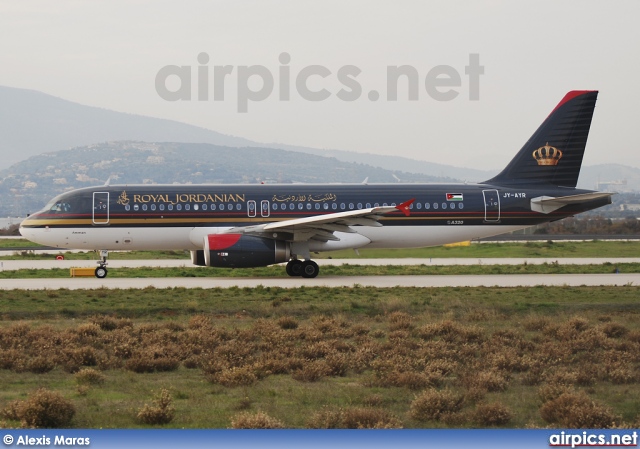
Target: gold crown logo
{"type": "Point", "coordinates": [547, 155]}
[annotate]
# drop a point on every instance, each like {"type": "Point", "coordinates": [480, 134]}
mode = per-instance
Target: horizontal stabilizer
{"type": "Point", "coordinates": [548, 204]}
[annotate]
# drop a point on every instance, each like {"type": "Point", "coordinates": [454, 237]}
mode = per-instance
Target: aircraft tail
{"type": "Point", "coordinates": [553, 154]}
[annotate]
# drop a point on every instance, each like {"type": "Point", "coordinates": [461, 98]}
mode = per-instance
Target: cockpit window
{"type": "Point", "coordinates": [60, 207]}
{"type": "Point", "coordinates": [69, 204]}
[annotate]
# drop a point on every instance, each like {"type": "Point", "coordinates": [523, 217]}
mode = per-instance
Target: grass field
{"type": "Point", "coordinates": [481, 250]}
{"type": "Point", "coordinates": [325, 358]}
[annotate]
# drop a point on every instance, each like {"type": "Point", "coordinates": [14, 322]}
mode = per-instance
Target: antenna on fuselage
{"type": "Point", "coordinates": [106, 184]}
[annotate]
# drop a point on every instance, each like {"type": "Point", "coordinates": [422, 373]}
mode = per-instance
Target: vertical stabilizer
{"type": "Point", "coordinates": [553, 154]}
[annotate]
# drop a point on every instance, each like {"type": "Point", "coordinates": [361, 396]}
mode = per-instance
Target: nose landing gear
{"type": "Point", "coordinates": [101, 271]}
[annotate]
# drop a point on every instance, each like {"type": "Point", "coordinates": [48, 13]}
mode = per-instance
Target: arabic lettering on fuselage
{"type": "Point", "coordinates": [297, 198]}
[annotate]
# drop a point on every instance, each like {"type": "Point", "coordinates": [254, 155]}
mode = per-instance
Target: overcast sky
{"type": "Point", "coordinates": [110, 53]}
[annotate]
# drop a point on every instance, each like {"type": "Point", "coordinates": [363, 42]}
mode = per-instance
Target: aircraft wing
{"type": "Point", "coordinates": [548, 204]}
{"type": "Point", "coordinates": [322, 227]}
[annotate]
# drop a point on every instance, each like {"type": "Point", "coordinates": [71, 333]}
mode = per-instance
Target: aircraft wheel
{"type": "Point", "coordinates": [310, 269]}
{"type": "Point", "coordinates": [294, 267]}
{"type": "Point", "coordinates": [101, 272]}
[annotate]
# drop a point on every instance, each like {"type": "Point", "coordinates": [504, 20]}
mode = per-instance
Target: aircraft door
{"type": "Point", "coordinates": [265, 210]}
{"type": "Point", "coordinates": [251, 208]}
{"type": "Point", "coordinates": [491, 205]}
{"type": "Point", "coordinates": [101, 208]}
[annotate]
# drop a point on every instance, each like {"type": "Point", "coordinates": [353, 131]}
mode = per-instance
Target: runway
{"type": "Point", "coordinates": [9, 265]}
{"type": "Point", "coordinates": [508, 280]}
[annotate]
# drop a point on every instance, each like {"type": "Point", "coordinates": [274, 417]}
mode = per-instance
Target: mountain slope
{"type": "Point", "coordinates": [32, 122]}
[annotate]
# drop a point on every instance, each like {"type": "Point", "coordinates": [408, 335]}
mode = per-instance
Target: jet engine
{"type": "Point", "coordinates": [241, 251]}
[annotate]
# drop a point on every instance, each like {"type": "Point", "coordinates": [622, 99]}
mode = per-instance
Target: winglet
{"type": "Point", "coordinates": [404, 207]}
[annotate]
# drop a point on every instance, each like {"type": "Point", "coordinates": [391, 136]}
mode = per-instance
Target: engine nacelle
{"type": "Point", "coordinates": [243, 251]}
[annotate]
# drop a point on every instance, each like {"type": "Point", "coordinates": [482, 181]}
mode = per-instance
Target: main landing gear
{"type": "Point", "coordinates": [306, 269]}
{"type": "Point", "coordinates": [101, 271]}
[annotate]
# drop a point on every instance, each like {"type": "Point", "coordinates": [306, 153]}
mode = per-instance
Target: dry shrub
{"type": "Point", "coordinates": [451, 331]}
{"type": "Point", "coordinates": [433, 405]}
{"type": "Point", "coordinates": [369, 418]}
{"type": "Point", "coordinates": [259, 420]}
{"type": "Point", "coordinates": [311, 372]}
{"type": "Point", "coordinates": [578, 323]}
{"type": "Point", "coordinates": [634, 336]}
{"type": "Point", "coordinates": [152, 360]}
{"type": "Point", "coordinates": [287, 322]}
{"type": "Point", "coordinates": [236, 377]}
{"type": "Point", "coordinates": [409, 379]}
{"type": "Point", "coordinates": [509, 360]}
{"type": "Point", "coordinates": [88, 330]}
{"type": "Point", "coordinates": [535, 323]}
{"type": "Point", "coordinates": [400, 321]}
{"type": "Point", "coordinates": [577, 410]}
{"type": "Point", "coordinates": [89, 376]}
{"type": "Point", "coordinates": [162, 412]}
{"type": "Point", "coordinates": [354, 418]}
{"type": "Point", "coordinates": [316, 350]}
{"type": "Point", "coordinates": [614, 330]}
{"type": "Point", "coordinates": [553, 390]}
{"type": "Point", "coordinates": [622, 372]}
{"type": "Point", "coordinates": [490, 380]}
{"type": "Point", "coordinates": [42, 409]}
{"type": "Point", "coordinates": [40, 365]}
{"type": "Point", "coordinates": [337, 364]}
{"type": "Point", "coordinates": [373, 400]}
{"type": "Point", "coordinates": [75, 358]}
{"type": "Point", "coordinates": [10, 358]}
{"type": "Point", "coordinates": [109, 323]}
{"type": "Point", "coordinates": [495, 414]}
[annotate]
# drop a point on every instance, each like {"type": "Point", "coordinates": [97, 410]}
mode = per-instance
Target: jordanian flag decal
{"type": "Point", "coordinates": [454, 197]}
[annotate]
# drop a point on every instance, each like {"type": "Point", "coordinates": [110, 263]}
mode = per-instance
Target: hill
{"type": "Point", "coordinates": [33, 123]}
{"type": "Point", "coordinates": [28, 185]}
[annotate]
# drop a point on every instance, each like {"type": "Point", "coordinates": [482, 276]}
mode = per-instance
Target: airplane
{"type": "Point", "coordinates": [258, 225]}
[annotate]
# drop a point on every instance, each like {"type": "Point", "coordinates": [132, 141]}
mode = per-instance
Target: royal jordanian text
{"type": "Point", "coordinates": [190, 198]}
